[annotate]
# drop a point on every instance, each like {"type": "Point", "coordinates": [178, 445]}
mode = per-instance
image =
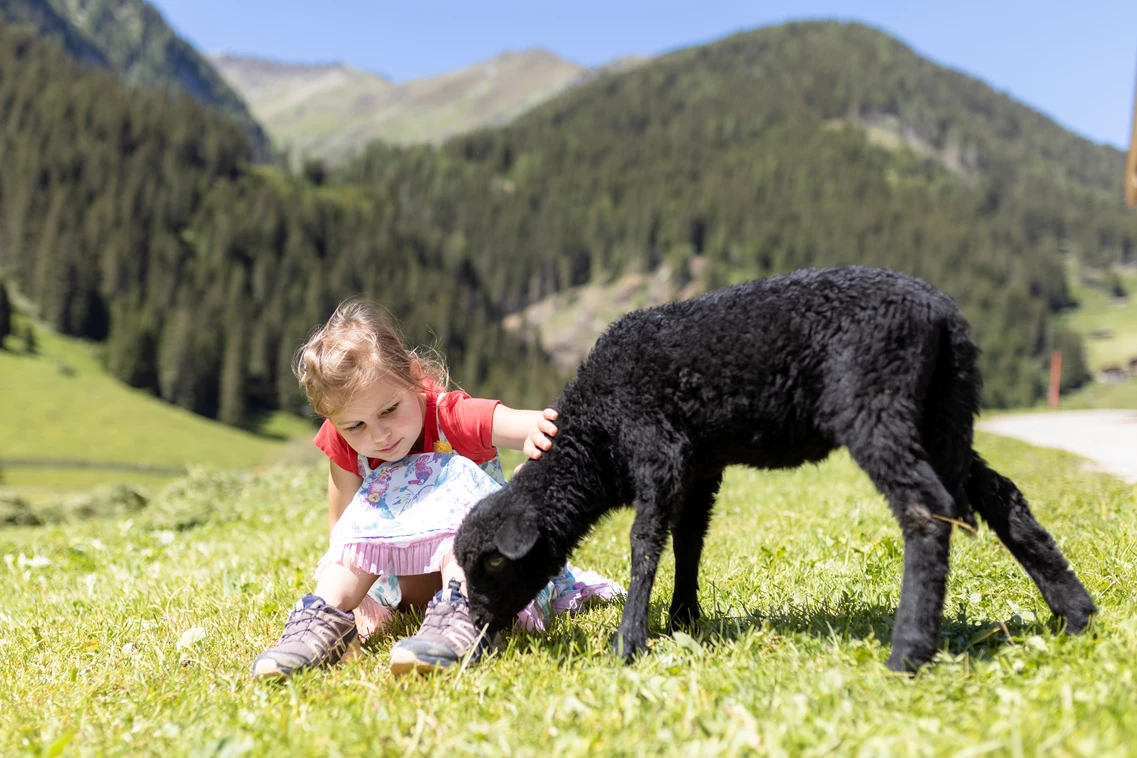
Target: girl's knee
{"type": "Point", "coordinates": [343, 585]}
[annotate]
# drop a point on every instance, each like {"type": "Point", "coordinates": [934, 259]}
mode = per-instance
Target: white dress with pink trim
{"type": "Point", "coordinates": [403, 519]}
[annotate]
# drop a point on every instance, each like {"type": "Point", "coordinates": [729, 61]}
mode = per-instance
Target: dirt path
{"type": "Point", "coordinates": [1107, 437]}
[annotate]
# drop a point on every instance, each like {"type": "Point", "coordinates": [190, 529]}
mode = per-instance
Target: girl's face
{"type": "Point", "coordinates": [384, 421]}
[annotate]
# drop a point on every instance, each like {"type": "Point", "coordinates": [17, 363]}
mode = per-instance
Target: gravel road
{"type": "Point", "coordinates": [1108, 438]}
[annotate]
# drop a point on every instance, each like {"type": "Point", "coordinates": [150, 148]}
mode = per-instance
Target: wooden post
{"type": "Point", "coordinates": [1055, 376]}
{"type": "Point", "coordinates": [1131, 164]}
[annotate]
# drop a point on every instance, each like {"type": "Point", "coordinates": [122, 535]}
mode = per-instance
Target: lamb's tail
{"type": "Point", "coordinates": [967, 382]}
{"type": "Point", "coordinates": [950, 406]}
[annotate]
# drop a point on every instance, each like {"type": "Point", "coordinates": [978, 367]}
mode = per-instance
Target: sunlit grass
{"type": "Point", "coordinates": [1098, 395]}
{"type": "Point", "coordinates": [799, 584]}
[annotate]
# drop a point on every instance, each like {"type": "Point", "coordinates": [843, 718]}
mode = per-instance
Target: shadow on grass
{"type": "Point", "coordinates": [403, 624]}
{"type": "Point", "coordinates": [567, 638]}
{"type": "Point", "coordinates": [852, 620]}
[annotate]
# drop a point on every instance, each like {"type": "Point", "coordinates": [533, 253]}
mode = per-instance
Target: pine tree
{"type": "Point", "coordinates": [232, 406]}
{"type": "Point", "coordinates": [1115, 286]}
{"type": "Point", "coordinates": [31, 343]}
{"type": "Point", "coordinates": [176, 368]}
{"type": "Point", "coordinates": [233, 394]}
{"type": "Point", "coordinates": [1075, 369]}
{"type": "Point", "coordinates": [121, 199]}
{"type": "Point", "coordinates": [5, 314]}
{"type": "Point", "coordinates": [289, 395]}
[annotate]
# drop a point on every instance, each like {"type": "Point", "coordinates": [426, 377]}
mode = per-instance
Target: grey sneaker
{"type": "Point", "coordinates": [316, 634]}
{"type": "Point", "coordinates": [446, 636]}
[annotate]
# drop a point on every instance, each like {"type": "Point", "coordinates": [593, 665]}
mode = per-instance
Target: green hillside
{"type": "Point", "coordinates": [1108, 322]}
{"type": "Point", "coordinates": [143, 226]}
{"type": "Point", "coordinates": [1108, 326]}
{"type": "Point", "coordinates": [765, 152]}
{"type": "Point", "coordinates": [60, 406]}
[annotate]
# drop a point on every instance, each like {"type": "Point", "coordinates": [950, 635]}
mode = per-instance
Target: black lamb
{"type": "Point", "coordinates": [772, 373]}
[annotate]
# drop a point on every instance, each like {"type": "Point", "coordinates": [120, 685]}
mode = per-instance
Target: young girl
{"type": "Point", "coordinates": [407, 460]}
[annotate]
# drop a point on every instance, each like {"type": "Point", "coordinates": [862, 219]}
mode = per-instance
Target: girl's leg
{"type": "Point", "coordinates": [418, 589]}
{"type": "Point", "coordinates": [343, 586]}
{"type": "Point", "coordinates": [451, 571]}
{"type": "Point", "coordinates": [371, 618]}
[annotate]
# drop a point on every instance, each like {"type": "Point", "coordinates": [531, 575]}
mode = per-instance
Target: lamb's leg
{"type": "Point", "coordinates": [919, 615]}
{"type": "Point", "coordinates": [1004, 508]}
{"type": "Point", "coordinates": [893, 459]}
{"type": "Point", "coordinates": [649, 534]}
{"type": "Point", "coordinates": [687, 535]}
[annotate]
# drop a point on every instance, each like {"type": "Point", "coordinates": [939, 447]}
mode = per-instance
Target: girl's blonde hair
{"type": "Point", "coordinates": [356, 347]}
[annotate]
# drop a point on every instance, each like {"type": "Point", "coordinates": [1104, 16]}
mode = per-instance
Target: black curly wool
{"type": "Point", "coordinates": [772, 374]}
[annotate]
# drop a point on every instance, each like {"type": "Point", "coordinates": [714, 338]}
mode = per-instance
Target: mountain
{"type": "Point", "coordinates": [132, 38]}
{"type": "Point", "coordinates": [133, 218]}
{"type": "Point", "coordinates": [808, 144]}
{"type": "Point", "coordinates": [40, 15]}
{"type": "Point", "coordinates": [330, 111]}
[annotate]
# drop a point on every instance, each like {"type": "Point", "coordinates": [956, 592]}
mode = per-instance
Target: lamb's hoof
{"type": "Point", "coordinates": [1079, 616]}
{"type": "Point", "coordinates": [627, 648]}
{"type": "Point", "coordinates": [907, 661]}
{"type": "Point", "coordinates": [1075, 624]}
{"type": "Point", "coordinates": [685, 616]}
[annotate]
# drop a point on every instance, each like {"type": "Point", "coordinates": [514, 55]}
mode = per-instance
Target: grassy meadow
{"type": "Point", "coordinates": [1097, 310]}
{"type": "Point", "coordinates": [60, 405]}
{"type": "Point", "coordinates": [133, 635]}
{"type": "Point", "coordinates": [799, 585]}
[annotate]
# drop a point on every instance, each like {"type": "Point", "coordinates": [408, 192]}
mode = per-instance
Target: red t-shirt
{"type": "Point", "coordinates": [466, 421]}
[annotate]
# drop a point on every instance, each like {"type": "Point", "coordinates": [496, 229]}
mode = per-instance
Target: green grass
{"type": "Point", "coordinates": [799, 584]}
{"type": "Point", "coordinates": [60, 404]}
{"type": "Point", "coordinates": [1097, 310]}
{"type": "Point", "coordinates": [35, 482]}
{"type": "Point", "coordinates": [1097, 395]}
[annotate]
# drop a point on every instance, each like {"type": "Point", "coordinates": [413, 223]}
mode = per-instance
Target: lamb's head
{"type": "Point", "coordinates": [506, 556]}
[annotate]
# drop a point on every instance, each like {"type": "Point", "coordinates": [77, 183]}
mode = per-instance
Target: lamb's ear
{"type": "Point", "coordinates": [515, 538]}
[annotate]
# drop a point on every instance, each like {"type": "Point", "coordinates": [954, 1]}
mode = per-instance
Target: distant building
{"type": "Point", "coordinates": [1112, 375]}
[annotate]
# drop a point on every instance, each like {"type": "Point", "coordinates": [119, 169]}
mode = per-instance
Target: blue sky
{"type": "Point", "coordinates": [1075, 61]}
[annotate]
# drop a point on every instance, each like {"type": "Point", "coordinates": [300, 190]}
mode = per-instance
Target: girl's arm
{"type": "Point", "coordinates": [342, 486]}
{"type": "Point", "coordinates": [530, 431]}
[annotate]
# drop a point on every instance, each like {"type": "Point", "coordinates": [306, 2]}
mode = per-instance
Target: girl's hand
{"type": "Point", "coordinates": [540, 437]}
